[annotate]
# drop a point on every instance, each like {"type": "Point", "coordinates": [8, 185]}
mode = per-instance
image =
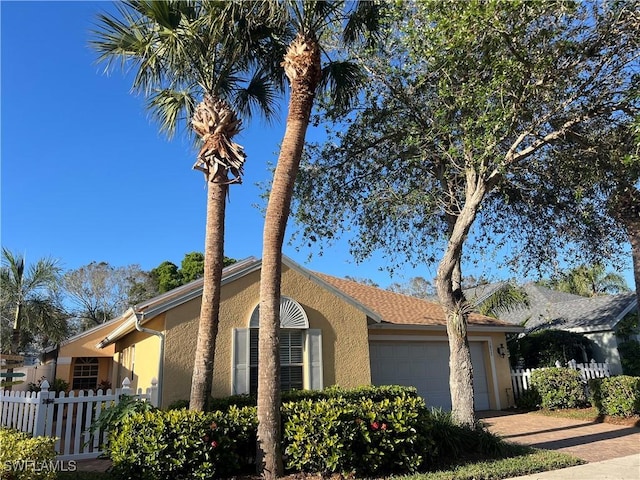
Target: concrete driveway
{"type": "Point", "coordinates": [590, 441]}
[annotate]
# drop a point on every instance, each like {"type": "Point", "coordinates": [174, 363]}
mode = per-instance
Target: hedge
{"type": "Point", "coordinates": [373, 431]}
{"type": "Point", "coordinates": [559, 388]}
{"type": "Point", "coordinates": [616, 396]}
{"type": "Point", "coordinates": [25, 458]}
{"type": "Point", "coordinates": [353, 394]}
{"type": "Point", "coordinates": [181, 444]}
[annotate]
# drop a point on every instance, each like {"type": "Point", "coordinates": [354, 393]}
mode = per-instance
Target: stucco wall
{"type": "Point", "coordinates": [606, 350]}
{"type": "Point", "coordinates": [146, 354]}
{"type": "Point", "coordinates": [498, 372]}
{"type": "Point", "coordinates": [84, 345]}
{"type": "Point", "coordinates": [344, 340]}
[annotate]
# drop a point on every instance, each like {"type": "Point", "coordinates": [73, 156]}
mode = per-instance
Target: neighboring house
{"type": "Point", "coordinates": [597, 318]}
{"type": "Point", "coordinates": [334, 332]}
{"type": "Point", "coordinates": [78, 361]}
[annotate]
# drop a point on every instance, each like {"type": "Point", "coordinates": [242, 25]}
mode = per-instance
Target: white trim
{"type": "Point", "coordinates": [292, 315]}
{"type": "Point", "coordinates": [494, 374]}
{"type": "Point", "coordinates": [430, 338]}
{"type": "Point", "coordinates": [64, 360]}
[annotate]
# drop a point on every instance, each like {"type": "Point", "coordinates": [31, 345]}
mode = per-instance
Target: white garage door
{"type": "Point", "coordinates": [425, 365]}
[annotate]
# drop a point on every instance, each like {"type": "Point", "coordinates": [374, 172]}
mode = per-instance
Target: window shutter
{"type": "Point", "coordinates": [240, 379]}
{"type": "Point", "coordinates": [313, 347]}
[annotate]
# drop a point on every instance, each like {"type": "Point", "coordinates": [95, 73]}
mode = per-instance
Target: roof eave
{"type": "Point", "coordinates": [152, 308]}
{"type": "Point", "coordinates": [470, 328]}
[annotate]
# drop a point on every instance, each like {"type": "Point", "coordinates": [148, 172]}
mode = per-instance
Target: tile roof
{"type": "Point", "coordinates": [399, 309]}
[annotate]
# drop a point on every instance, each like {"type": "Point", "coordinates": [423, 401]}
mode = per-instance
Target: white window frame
{"type": "Point", "coordinates": [292, 317]}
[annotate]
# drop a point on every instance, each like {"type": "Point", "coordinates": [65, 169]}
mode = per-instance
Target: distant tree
{"type": "Point", "coordinates": [588, 281]}
{"type": "Point", "coordinates": [469, 281]}
{"type": "Point", "coordinates": [363, 281]}
{"type": "Point", "coordinates": [32, 314]}
{"type": "Point", "coordinates": [192, 266]}
{"type": "Point", "coordinates": [416, 287]}
{"type": "Point", "coordinates": [167, 276]}
{"type": "Point", "coordinates": [100, 292]}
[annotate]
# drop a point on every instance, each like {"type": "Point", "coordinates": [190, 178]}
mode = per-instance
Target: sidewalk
{"type": "Point", "coordinates": [623, 468]}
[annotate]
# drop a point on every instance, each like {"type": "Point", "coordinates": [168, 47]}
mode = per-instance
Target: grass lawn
{"type": "Point", "coordinates": [591, 414]}
{"type": "Point", "coordinates": [520, 461]}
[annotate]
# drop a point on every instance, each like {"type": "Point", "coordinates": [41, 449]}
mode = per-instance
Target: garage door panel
{"type": "Point", "coordinates": [425, 365]}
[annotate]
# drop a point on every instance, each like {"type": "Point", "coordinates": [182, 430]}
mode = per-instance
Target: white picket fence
{"type": "Point", "coordinates": [521, 378]}
{"type": "Point", "coordinates": [66, 417]}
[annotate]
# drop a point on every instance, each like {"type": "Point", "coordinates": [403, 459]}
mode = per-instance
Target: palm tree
{"type": "Point", "coordinates": [590, 281]}
{"type": "Point", "coordinates": [29, 304]}
{"type": "Point", "coordinates": [506, 298]}
{"type": "Point", "coordinates": [303, 68]}
{"type": "Point", "coordinates": [182, 51]}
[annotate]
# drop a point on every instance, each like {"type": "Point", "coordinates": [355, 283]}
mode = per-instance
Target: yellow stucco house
{"type": "Point", "coordinates": [334, 332]}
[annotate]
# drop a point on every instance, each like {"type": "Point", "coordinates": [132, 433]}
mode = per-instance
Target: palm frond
{"type": "Point", "coordinates": [342, 80]}
{"type": "Point", "coordinates": [507, 298]}
{"type": "Point", "coordinates": [362, 21]}
{"type": "Point", "coordinates": [259, 96]}
{"type": "Point", "coordinates": [170, 107]}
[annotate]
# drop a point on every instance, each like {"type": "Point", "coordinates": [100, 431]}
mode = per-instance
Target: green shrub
{"type": "Point", "coordinates": [455, 443]}
{"type": "Point", "coordinates": [352, 433]}
{"type": "Point", "coordinates": [181, 444]}
{"type": "Point", "coordinates": [113, 414]}
{"type": "Point", "coordinates": [353, 394]}
{"type": "Point", "coordinates": [544, 348]}
{"type": "Point", "coordinates": [57, 385]}
{"type": "Point", "coordinates": [25, 458]}
{"type": "Point", "coordinates": [630, 357]}
{"type": "Point", "coordinates": [178, 405]}
{"type": "Point", "coordinates": [529, 399]}
{"type": "Point", "coordinates": [616, 396]}
{"type": "Point", "coordinates": [559, 388]}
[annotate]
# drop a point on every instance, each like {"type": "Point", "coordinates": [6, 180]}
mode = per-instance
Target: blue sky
{"type": "Point", "coordinates": [87, 176]}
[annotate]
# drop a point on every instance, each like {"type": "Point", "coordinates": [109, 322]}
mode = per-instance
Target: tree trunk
{"type": "Point", "coordinates": [303, 57]}
{"type": "Point", "coordinates": [627, 211]}
{"type": "Point", "coordinates": [15, 342]}
{"type": "Point", "coordinates": [202, 379]}
{"type": "Point", "coordinates": [448, 280]}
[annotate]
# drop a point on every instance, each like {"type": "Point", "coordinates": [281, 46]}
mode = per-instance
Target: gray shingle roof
{"type": "Point", "coordinates": [552, 309]}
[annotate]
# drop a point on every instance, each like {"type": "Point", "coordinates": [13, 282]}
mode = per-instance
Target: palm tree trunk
{"type": "Point", "coordinates": [15, 343]}
{"type": "Point", "coordinates": [304, 57]}
{"type": "Point", "coordinates": [202, 378]}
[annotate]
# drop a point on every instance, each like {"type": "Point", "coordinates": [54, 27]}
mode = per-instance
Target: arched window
{"type": "Point", "coordinates": [300, 351]}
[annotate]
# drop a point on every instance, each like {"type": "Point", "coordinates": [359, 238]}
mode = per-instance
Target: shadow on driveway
{"type": "Point", "coordinates": [590, 441]}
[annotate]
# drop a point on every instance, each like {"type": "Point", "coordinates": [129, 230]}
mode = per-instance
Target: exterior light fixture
{"type": "Point", "coordinates": [502, 351]}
